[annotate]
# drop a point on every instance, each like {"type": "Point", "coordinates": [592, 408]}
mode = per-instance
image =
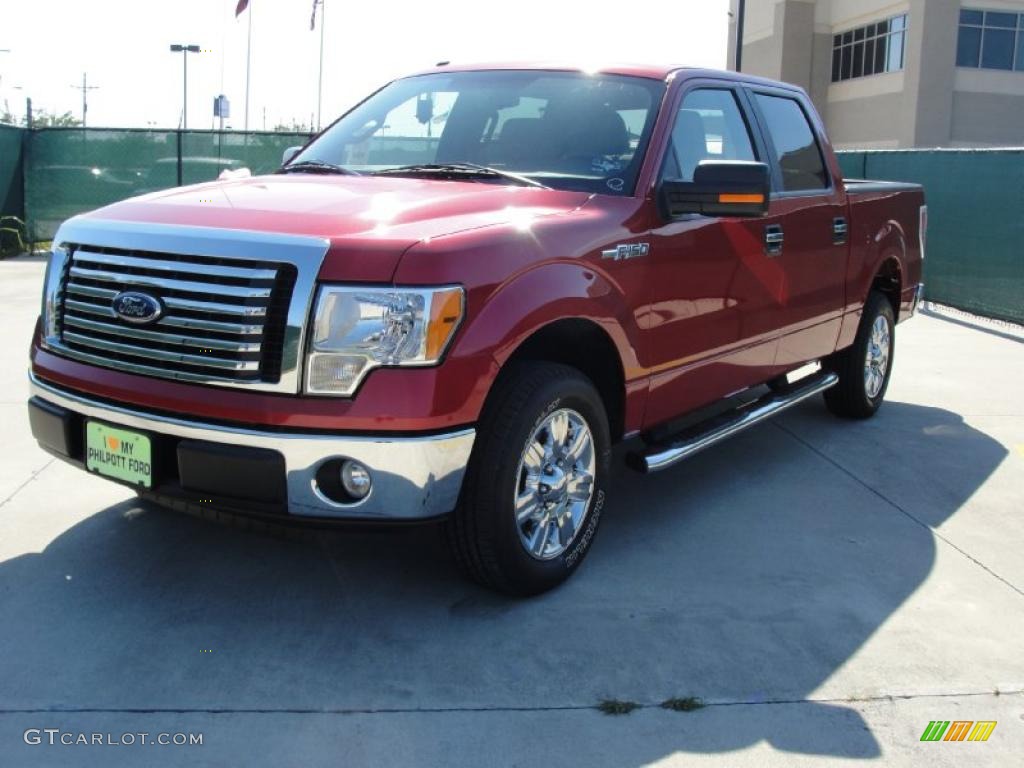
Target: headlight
{"type": "Point", "coordinates": [358, 329]}
{"type": "Point", "coordinates": [55, 266]}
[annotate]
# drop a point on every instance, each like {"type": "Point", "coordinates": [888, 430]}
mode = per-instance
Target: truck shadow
{"type": "Point", "coordinates": [750, 574]}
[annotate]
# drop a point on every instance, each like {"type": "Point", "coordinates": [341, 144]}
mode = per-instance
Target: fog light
{"type": "Point", "coordinates": [355, 479]}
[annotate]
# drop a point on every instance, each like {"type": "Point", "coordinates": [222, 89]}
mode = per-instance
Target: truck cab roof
{"type": "Point", "coordinates": [660, 72]}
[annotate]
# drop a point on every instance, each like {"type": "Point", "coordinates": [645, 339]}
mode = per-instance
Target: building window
{"type": "Point", "coordinates": [990, 40]}
{"type": "Point", "coordinates": [869, 50]}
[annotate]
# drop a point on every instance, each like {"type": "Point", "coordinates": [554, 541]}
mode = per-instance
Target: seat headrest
{"type": "Point", "coordinates": [689, 140]}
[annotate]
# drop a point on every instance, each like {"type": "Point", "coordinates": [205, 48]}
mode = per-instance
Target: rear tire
{"type": "Point", "coordinates": [535, 486]}
{"type": "Point", "coordinates": [865, 367]}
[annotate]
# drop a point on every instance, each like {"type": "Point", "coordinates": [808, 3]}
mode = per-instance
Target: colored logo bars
{"type": "Point", "coordinates": [958, 730]}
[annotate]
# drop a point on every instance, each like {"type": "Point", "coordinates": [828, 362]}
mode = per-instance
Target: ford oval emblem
{"type": "Point", "coordinates": [137, 308]}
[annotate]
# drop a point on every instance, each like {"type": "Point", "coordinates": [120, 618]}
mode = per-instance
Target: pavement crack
{"type": "Point", "coordinates": [897, 507]}
{"type": "Point", "coordinates": [706, 704]}
{"type": "Point", "coordinates": [28, 480]}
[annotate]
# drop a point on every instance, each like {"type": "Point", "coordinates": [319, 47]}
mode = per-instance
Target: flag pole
{"type": "Point", "coordinates": [320, 84]}
{"type": "Point", "coordinates": [248, 71]}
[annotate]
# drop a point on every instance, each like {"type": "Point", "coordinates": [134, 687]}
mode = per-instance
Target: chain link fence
{"type": "Point", "coordinates": [975, 259]}
{"type": "Point", "coordinates": [70, 170]}
{"type": "Point", "coordinates": [12, 201]}
{"type": "Point", "coordinates": [975, 197]}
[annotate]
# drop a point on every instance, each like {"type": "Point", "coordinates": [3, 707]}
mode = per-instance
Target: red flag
{"type": "Point", "coordinates": [242, 5]}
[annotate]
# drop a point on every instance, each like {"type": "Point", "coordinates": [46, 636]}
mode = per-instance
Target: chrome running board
{"type": "Point", "coordinates": [695, 439]}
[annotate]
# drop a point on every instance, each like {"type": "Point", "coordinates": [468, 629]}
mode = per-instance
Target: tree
{"type": "Point", "coordinates": [294, 127]}
{"type": "Point", "coordinates": [44, 119]}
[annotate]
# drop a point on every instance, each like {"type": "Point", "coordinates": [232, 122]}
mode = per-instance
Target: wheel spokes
{"type": "Point", "coordinates": [559, 428]}
{"type": "Point", "coordinates": [533, 459]}
{"type": "Point", "coordinates": [566, 527]}
{"type": "Point", "coordinates": [527, 502]}
{"type": "Point", "coordinates": [539, 539]}
{"type": "Point", "coordinates": [579, 443]}
{"type": "Point", "coordinates": [582, 487]}
{"type": "Point", "coordinates": [556, 481]}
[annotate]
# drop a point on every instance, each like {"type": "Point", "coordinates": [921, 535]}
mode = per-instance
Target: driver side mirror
{"type": "Point", "coordinates": [719, 188]}
{"type": "Point", "coordinates": [289, 153]}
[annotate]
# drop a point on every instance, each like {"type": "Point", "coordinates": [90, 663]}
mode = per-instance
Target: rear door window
{"type": "Point", "coordinates": [796, 148]}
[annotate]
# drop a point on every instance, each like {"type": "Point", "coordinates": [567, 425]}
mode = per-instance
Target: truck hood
{"type": "Point", "coordinates": [369, 221]}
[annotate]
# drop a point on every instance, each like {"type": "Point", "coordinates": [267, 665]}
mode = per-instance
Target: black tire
{"type": "Point", "coordinates": [850, 398]}
{"type": "Point", "coordinates": [482, 532]}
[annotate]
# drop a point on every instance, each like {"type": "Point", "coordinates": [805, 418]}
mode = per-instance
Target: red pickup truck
{"type": "Point", "coordinates": [455, 300]}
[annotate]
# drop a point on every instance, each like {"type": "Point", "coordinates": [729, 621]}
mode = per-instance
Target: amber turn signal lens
{"type": "Point", "coordinates": [753, 199]}
{"type": "Point", "coordinates": [445, 313]}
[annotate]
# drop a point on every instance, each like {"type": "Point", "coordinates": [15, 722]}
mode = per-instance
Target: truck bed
{"type": "Point", "coordinates": [866, 186]}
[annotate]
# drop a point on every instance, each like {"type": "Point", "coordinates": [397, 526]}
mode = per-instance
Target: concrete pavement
{"type": "Point", "coordinates": [827, 588]}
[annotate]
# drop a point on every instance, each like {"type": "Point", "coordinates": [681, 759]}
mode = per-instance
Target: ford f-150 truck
{"type": "Point", "coordinates": [452, 303]}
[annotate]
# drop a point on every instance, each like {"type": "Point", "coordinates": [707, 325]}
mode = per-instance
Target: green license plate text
{"type": "Point", "coordinates": [118, 453]}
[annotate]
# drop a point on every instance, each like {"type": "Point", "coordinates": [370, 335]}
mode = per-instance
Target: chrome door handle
{"type": "Point", "coordinates": [839, 230]}
{"type": "Point", "coordinates": [773, 239]}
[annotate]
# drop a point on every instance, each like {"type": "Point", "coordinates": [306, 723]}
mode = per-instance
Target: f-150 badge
{"type": "Point", "coordinates": [628, 251]}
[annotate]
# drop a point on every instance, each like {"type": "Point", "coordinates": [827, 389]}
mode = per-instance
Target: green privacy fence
{"type": "Point", "coordinates": [71, 170]}
{"type": "Point", "coordinates": [975, 251]}
{"type": "Point", "coordinates": [975, 197]}
{"type": "Point", "coordinates": [12, 199]}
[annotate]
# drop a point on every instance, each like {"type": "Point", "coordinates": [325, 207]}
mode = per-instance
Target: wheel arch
{"type": "Point", "coordinates": [586, 346]}
{"type": "Point", "coordinates": [888, 280]}
{"type": "Point", "coordinates": [887, 276]}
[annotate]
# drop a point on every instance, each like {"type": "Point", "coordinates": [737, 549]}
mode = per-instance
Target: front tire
{"type": "Point", "coordinates": [865, 367]}
{"type": "Point", "coordinates": [534, 490]}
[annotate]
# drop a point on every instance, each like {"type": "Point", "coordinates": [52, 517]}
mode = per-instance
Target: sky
{"type": "Point", "coordinates": [123, 45]}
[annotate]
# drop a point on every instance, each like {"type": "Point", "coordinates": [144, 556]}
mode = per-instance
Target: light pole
{"type": "Point", "coordinates": [185, 50]}
{"type": "Point", "coordinates": [740, 18]}
{"type": "Point", "coordinates": [85, 88]}
{"type": "Point", "coordinates": [320, 83]}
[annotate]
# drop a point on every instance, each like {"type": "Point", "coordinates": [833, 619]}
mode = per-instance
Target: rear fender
{"type": "Point", "coordinates": [887, 243]}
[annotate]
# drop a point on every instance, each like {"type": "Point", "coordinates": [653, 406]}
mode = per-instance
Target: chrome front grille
{"type": "Point", "coordinates": [226, 319]}
{"type": "Point", "coordinates": [220, 321]}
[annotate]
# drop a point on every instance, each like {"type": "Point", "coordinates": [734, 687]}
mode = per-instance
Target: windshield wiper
{"type": "Point", "coordinates": [469, 170]}
{"type": "Point", "coordinates": [316, 166]}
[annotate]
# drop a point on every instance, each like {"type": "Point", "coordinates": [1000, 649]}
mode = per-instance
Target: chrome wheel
{"type": "Point", "coordinates": [876, 362]}
{"type": "Point", "coordinates": [555, 483]}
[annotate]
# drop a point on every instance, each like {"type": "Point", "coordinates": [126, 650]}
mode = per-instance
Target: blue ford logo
{"type": "Point", "coordinates": [137, 307]}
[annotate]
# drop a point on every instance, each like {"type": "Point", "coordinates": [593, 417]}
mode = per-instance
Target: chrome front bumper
{"type": "Point", "coordinates": [413, 477]}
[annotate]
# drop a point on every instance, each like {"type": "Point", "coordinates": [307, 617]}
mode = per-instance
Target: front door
{"type": "Point", "coordinates": [711, 326]}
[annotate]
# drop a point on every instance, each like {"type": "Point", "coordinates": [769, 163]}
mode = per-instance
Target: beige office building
{"type": "Point", "coordinates": [923, 73]}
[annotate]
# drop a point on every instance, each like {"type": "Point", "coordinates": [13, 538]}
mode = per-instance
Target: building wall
{"type": "Point", "coordinates": [866, 118]}
{"type": "Point", "coordinates": [987, 109]}
{"type": "Point", "coordinates": [930, 103]}
{"type": "Point", "coordinates": [930, 66]}
{"type": "Point", "coordinates": [986, 120]}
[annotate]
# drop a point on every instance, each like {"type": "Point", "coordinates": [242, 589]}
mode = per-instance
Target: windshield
{"type": "Point", "coordinates": [564, 130]}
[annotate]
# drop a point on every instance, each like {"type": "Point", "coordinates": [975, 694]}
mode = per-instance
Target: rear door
{"type": "Point", "coordinates": [808, 224]}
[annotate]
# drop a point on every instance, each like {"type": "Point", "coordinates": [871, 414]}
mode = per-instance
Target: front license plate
{"type": "Point", "coordinates": [119, 454]}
